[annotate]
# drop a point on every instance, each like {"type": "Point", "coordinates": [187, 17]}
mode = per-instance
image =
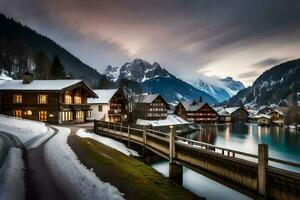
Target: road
{"type": "Point", "coordinates": [40, 182]}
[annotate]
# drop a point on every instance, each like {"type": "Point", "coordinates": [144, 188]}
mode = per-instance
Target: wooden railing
{"type": "Point", "coordinates": [164, 144]}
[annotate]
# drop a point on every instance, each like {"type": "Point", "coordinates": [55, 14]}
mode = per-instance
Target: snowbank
{"type": "Point", "coordinates": [24, 129]}
{"type": "Point", "coordinates": [12, 176]}
{"type": "Point", "coordinates": [169, 121]}
{"type": "Point", "coordinates": [80, 182]}
{"type": "Point", "coordinates": [108, 142]}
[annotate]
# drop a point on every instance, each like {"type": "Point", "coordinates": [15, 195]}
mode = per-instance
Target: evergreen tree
{"type": "Point", "coordinates": [42, 65]}
{"type": "Point", "coordinates": [57, 70]}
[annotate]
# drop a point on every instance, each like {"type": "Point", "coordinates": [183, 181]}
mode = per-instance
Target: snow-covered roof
{"type": "Point", "coordinates": [192, 106]}
{"type": "Point", "coordinates": [104, 96]}
{"type": "Point", "coordinates": [221, 111]}
{"type": "Point", "coordinates": [231, 110]}
{"type": "Point", "coordinates": [170, 120]}
{"type": "Point", "coordinates": [38, 84]}
{"type": "Point", "coordinates": [145, 98]}
{"type": "Point", "coordinates": [276, 110]}
{"type": "Point", "coordinates": [261, 116]}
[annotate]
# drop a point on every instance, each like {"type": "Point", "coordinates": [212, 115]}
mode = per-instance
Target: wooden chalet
{"type": "Point", "coordinates": [110, 106]}
{"type": "Point", "coordinates": [197, 112]}
{"type": "Point", "coordinates": [238, 114]}
{"type": "Point", "coordinates": [53, 101]}
{"type": "Point", "coordinates": [223, 115]}
{"type": "Point", "coordinates": [149, 106]}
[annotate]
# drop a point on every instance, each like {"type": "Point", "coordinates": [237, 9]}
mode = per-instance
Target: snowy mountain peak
{"type": "Point", "coordinates": [220, 89]}
{"type": "Point", "coordinates": [138, 70]}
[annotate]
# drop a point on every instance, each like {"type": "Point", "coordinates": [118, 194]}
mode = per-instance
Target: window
{"type": "Point", "coordinates": [28, 112]}
{"type": "Point", "coordinates": [66, 116]}
{"type": "Point", "coordinates": [42, 99]}
{"type": "Point", "coordinates": [79, 114]}
{"type": "Point", "coordinates": [18, 113]}
{"type": "Point", "coordinates": [43, 116]}
{"type": "Point", "coordinates": [77, 99]}
{"type": "Point", "coordinates": [17, 98]}
{"type": "Point", "coordinates": [68, 99]}
{"type": "Point", "coordinates": [100, 108]}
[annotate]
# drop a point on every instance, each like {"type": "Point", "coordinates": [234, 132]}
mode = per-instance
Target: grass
{"type": "Point", "coordinates": [136, 179]}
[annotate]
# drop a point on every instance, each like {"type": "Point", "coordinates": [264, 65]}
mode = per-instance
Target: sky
{"type": "Point", "coordinates": [190, 38]}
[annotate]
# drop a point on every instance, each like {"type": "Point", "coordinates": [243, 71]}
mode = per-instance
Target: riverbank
{"type": "Point", "coordinates": [132, 177]}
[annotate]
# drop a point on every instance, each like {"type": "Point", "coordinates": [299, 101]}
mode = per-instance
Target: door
{"type": "Point", "coordinates": [43, 116]}
{"type": "Point", "coordinates": [18, 113]}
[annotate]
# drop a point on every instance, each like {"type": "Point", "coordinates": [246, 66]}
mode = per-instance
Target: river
{"type": "Point", "coordinates": [283, 144]}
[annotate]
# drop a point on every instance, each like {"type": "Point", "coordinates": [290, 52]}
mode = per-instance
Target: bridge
{"type": "Point", "coordinates": [248, 173]}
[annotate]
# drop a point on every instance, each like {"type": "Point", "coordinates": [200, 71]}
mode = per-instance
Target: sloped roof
{"type": "Point", "coordinates": [261, 116]}
{"type": "Point", "coordinates": [38, 84]}
{"type": "Point", "coordinates": [221, 111]}
{"type": "Point", "coordinates": [231, 110]}
{"type": "Point", "coordinates": [104, 96]}
{"type": "Point", "coordinates": [189, 106]}
{"type": "Point", "coordinates": [145, 98]}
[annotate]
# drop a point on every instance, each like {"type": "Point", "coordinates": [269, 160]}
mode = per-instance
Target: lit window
{"type": "Point", "coordinates": [68, 99]}
{"type": "Point", "coordinates": [79, 115]}
{"type": "Point", "coordinates": [17, 98]}
{"type": "Point", "coordinates": [42, 98]}
{"type": "Point", "coordinates": [18, 113]}
{"type": "Point", "coordinates": [29, 112]}
{"type": "Point", "coordinates": [77, 99]}
{"type": "Point", "coordinates": [100, 108]}
{"type": "Point", "coordinates": [43, 116]}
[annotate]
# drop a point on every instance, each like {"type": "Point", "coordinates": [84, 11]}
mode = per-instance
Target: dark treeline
{"type": "Point", "coordinates": [22, 48]}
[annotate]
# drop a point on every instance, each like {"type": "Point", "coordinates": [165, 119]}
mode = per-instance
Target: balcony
{"type": "Point", "coordinates": [63, 106]}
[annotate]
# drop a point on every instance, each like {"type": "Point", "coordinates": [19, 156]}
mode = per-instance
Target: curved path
{"type": "Point", "coordinates": [40, 183]}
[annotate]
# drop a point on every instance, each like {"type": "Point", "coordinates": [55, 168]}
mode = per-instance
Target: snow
{"type": "Point", "coordinates": [4, 76]}
{"type": "Point", "coordinates": [38, 84]}
{"type": "Point", "coordinates": [24, 129]}
{"type": "Point", "coordinates": [189, 106]}
{"type": "Point", "coordinates": [37, 141]}
{"type": "Point", "coordinates": [148, 98]}
{"type": "Point", "coordinates": [12, 176]}
{"type": "Point", "coordinates": [104, 96]}
{"type": "Point", "coordinates": [108, 142]}
{"type": "Point", "coordinates": [169, 121]}
{"type": "Point", "coordinates": [80, 182]}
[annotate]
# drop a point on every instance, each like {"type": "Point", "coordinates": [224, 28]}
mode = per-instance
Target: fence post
{"type": "Point", "coordinates": [144, 139]}
{"type": "Point", "coordinates": [262, 165]}
{"type": "Point", "coordinates": [95, 126]}
{"type": "Point", "coordinates": [115, 128]}
{"type": "Point", "coordinates": [128, 134]}
{"type": "Point", "coordinates": [121, 132]}
{"type": "Point", "coordinates": [172, 143]}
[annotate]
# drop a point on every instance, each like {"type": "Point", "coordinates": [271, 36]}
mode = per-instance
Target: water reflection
{"type": "Point", "coordinates": [283, 143]}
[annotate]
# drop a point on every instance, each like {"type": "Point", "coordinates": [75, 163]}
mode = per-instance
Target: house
{"type": "Point", "coordinates": [276, 117]}
{"type": "Point", "coordinates": [53, 101]}
{"type": "Point", "coordinates": [262, 119]}
{"type": "Point", "coordinates": [223, 115]}
{"type": "Point", "coordinates": [237, 114]}
{"type": "Point", "coordinates": [149, 106]}
{"type": "Point", "coordinates": [110, 105]}
{"type": "Point", "coordinates": [197, 112]}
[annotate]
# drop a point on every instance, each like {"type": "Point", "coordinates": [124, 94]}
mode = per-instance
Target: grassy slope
{"type": "Point", "coordinates": [132, 177]}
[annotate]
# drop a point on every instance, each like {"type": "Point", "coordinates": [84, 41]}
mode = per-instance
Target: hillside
{"type": "Point", "coordinates": [276, 85]}
{"type": "Point", "coordinates": [20, 43]}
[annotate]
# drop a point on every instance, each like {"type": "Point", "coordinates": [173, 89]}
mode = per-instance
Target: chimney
{"type": "Point", "coordinates": [27, 77]}
{"type": "Point", "coordinates": [200, 99]}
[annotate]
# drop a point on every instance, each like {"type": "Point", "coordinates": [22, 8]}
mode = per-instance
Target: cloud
{"type": "Point", "coordinates": [269, 62]}
{"type": "Point", "coordinates": [248, 75]}
{"type": "Point", "coordinates": [183, 36]}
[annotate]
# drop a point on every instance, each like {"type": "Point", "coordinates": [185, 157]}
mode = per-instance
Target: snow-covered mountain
{"type": "Point", "coordinates": [220, 89]}
{"type": "Point", "coordinates": [155, 79]}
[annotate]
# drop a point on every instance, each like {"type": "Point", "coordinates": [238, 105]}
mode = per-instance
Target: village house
{"type": "Point", "coordinates": [223, 115]}
{"type": "Point", "coordinates": [262, 119]}
{"type": "Point", "coordinates": [110, 105]}
{"type": "Point", "coordinates": [197, 112]}
{"type": "Point", "coordinates": [149, 106]}
{"type": "Point", "coordinates": [53, 101]}
{"type": "Point", "coordinates": [276, 117]}
{"type": "Point", "coordinates": [237, 114]}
